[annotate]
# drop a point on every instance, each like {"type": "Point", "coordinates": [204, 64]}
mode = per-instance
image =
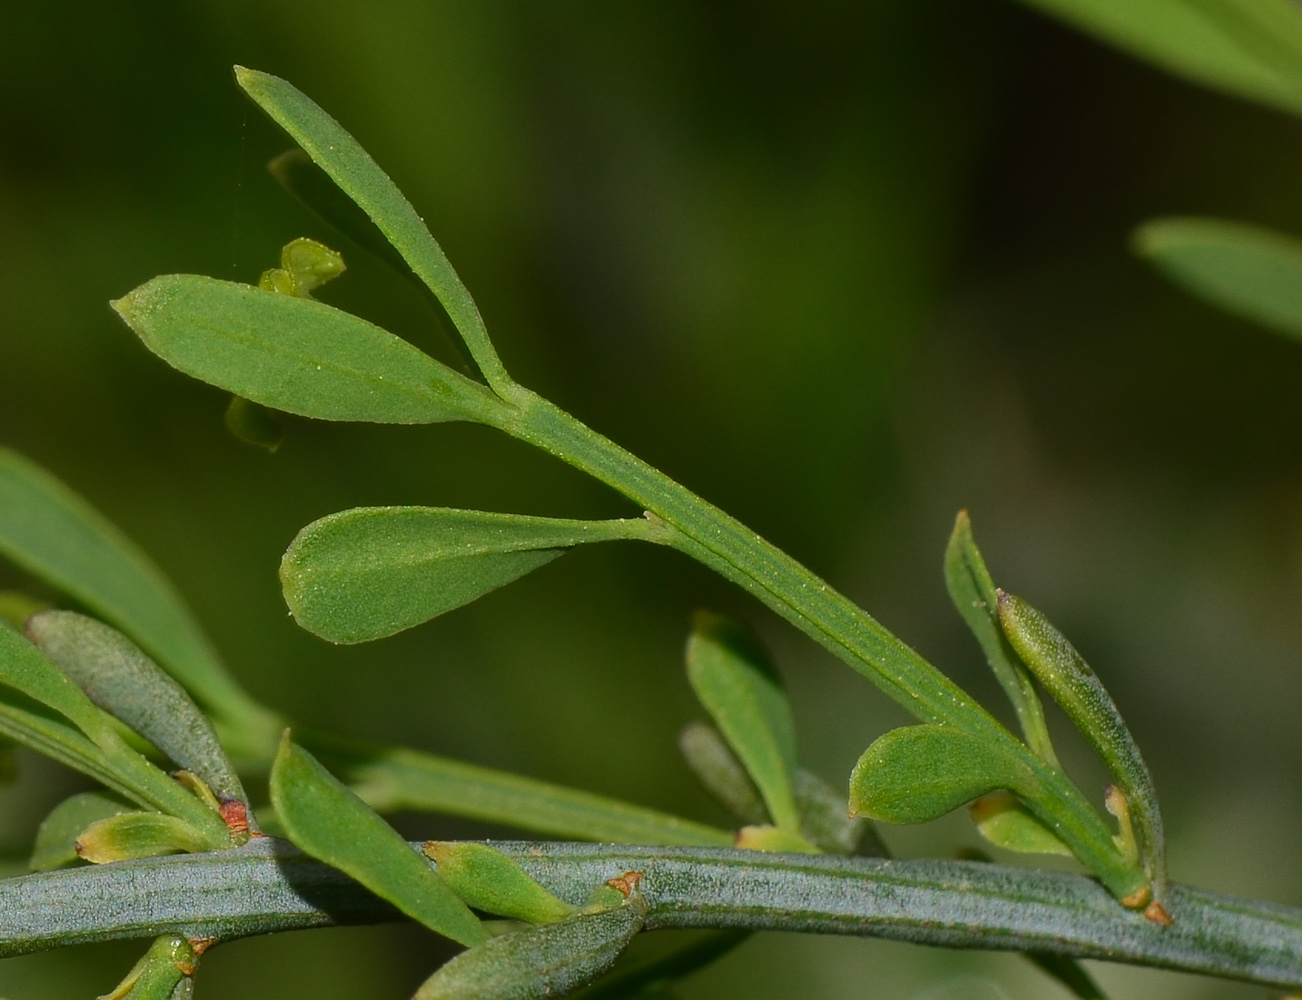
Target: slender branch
{"type": "Point", "coordinates": [268, 886]}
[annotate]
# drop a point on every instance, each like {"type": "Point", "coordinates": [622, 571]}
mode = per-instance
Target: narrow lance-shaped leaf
{"type": "Point", "coordinates": [358, 176]}
{"type": "Point", "coordinates": [973, 593]}
{"type": "Point", "coordinates": [919, 773]}
{"type": "Point", "coordinates": [490, 881]}
{"type": "Point", "coordinates": [737, 682]}
{"type": "Point", "coordinates": [1252, 48]}
{"type": "Point", "coordinates": [296, 354]}
{"type": "Point", "coordinates": [332, 824]}
{"type": "Point", "coordinates": [717, 768]}
{"type": "Point", "coordinates": [131, 835]}
{"type": "Point", "coordinates": [1246, 270]}
{"type": "Point", "coordinates": [118, 677]}
{"type": "Point", "coordinates": [1074, 686]}
{"type": "Point", "coordinates": [53, 533]}
{"type": "Point", "coordinates": [370, 572]}
{"type": "Point", "coordinates": [26, 670]}
{"type": "Point", "coordinates": [548, 961]}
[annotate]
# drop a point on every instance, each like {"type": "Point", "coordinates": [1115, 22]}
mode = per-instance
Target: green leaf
{"type": "Point", "coordinates": [1068, 679]}
{"type": "Point", "coordinates": [1003, 821]}
{"type": "Point", "coordinates": [825, 821]}
{"type": "Point", "coordinates": [490, 881]}
{"type": "Point", "coordinates": [367, 573]}
{"type": "Point", "coordinates": [973, 593]}
{"type": "Point", "coordinates": [132, 835]}
{"type": "Point", "coordinates": [253, 424]}
{"type": "Point", "coordinates": [54, 534]}
{"type": "Point", "coordinates": [735, 679]}
{"type": "Point", "coordinates": [16, 607]}
{"type": "Point", "coordinates": [358, 176]}
{"type": "Point", "coordinates": [399, 779]}
{"type": "Point", "coordinates": [24, 669]}
{"type": "Point", "coordinates": [538, 962]}
{"type": "Point", "coordinates": [170, 960]}
{"type": "Point", "coordinates": [56, 840]}
{"type": "Point", "coordinates": [653, 961]}
{"type": "Point", "coordinates": [773, 838]}
{"type": "Point", "coordinates": [919, 773]}
{"type": "Point", "coordinates": [1246, 270]}
{"type": "Point", "coordinates": [1070, 973]}
{"type": "Point", "coordinates": [296, 354]}
{"type": "Point", "coordinates": [118, 677]}
{"type": "Point", "coordinates": [329, 822]}
{"type": "Point", "coordinates": [717, 768]}
{"type": "Point", "coordinates": [1251, 48]}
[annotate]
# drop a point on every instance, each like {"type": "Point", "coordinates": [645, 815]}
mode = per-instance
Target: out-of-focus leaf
{"type": "Point", "coordinates": [332, 824]}
{"type": "Point", "coordinates": [131, 835]}
{"type": "Point", "coordinates": [490, 881]}
{"type": "Point", "coordinates": [1068, 679]}
{"type": "Point", "coordinates": [393, 779]}
{"type": "Point", "coordinates": [358, 176]}
{"type": "Point", "coordinates": [54, 534]}
{"type": "Point", "coordinates": [919, 773]}
{"type": "Point", "coordinates": [735, 679]}
{"type": "Point", "coordinates": [1251, 48]}
{"type": "Point", "coordinates": [118, 677]}
{"type": "Point", "coordinates": [25, 670]}
{"type": "Point", "coordinates": [169, 962]}
{"type": "Point", "coordinates": [370, 572]}
{"type": "Point", "coordinates": [773, 838]}
{"type": "Point", "coordinates": [1003, 821]}
{"type": "Point", "coordinates": [653, 961]}
{"type": "Point", "coordinates": [16, 607]}
{"type": "Point", "coordinates": [548, 961]}
{"type": "Point", "coordinates": [717, 768]}
{"type": "Point", "coordinates": [973, 593]}
{"type": "Point", "coordinates": [1070, 973]}
{"type": "Point", "coordinates": [825, 821]}
{"type": "Point", "coordinates": [1246, 270]}
{"type": "Point", "coordinates": [296, 354]}
{"type": "Point", "coordinates": [253, 424]}
{"type": "Point", "coordinates": [56, 840]}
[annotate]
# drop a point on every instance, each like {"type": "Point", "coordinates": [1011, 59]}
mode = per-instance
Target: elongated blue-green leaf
{"type": "Point", "coordinates": [1251, 48]}
{"type": "Point", "coordinates": [329, 822]}
{"type": "Point", "coordinates": [370, 572]}
{"type": "Point", "coordinates": [919, 773]}
{"type": "Point", "coordinates": [1077, 689]}
{"type": "Point", "coordinates": [973, 593]}
{"type": "Point", "coordinates": [25, 670]}
{"type": "Point", "coordinates": [490, 881]}
{"type": "Point", "coordinates": [538, 962]}
{"type": "Point", "coordinates": [296, 354]}
{"type": "Point", "coordinates": [54, 534]}
{"type": "Point", "coordinates": [1246, 270]}
{"type": "Point", "coordinates": [56, 840]}
{"type": "Point", "coordinates": [717, 768]}
{"type": "Point", "coordinates": [170, 960]}
{"type": "Point", "coordinates": [118, 677]}
{"type": "Point", "coordinates": [1003, 821]}
{"type": "Point", "coordinates": [735, 679]}
{"type": "Point", "coordinates": [358, 176]}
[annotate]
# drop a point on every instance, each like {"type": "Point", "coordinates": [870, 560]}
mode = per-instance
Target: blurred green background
{"type": "Point", "coordinates": [841, 267]}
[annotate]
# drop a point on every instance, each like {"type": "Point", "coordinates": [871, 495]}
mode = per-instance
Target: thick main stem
{"type": "Point", "coordinates": [833, 620]}
{"type": "Point", "coordinates": [268, 886]}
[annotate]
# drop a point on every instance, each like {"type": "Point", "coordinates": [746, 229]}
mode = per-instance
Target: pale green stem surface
{"type": "Point", "coordinates": [268, 886]}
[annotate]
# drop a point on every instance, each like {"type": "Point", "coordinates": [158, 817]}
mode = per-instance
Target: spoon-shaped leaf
{"type": "Point", "coordinates": [919, 773]}
{"type": "Point", "coordinates": [332, 824]}
{"type": "Point", "coordinates": [360, 177]}
{"type": "Point", "coordinates": [973, 593]}
{"type": "Point", "coordinates": [1074, 686]}
{"type": "Point", "coordinates": [1251, 272]}
{"type": "Point", "coordinates": [370, 572]}
{"type": "Point", "coordinates": [296, 354]}
{"type": "Point", "coordinates": [548, 961]}
{"type": "Point", "coordinates": [123, 681]}
{"type": "Point", "coordinates": [737, 682]}
{"type": "Point", "coordinates": [56, 840]}
{"type": "Point", "coordinates": [1252, 48]}
{"type": "Point", "coordinates": [53, 533]}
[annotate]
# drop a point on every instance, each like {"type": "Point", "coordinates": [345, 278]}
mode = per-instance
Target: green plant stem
{"type": "Point", "coordinates": [268, 886]}
{"type": "Point", "coordinates": [831, 619]}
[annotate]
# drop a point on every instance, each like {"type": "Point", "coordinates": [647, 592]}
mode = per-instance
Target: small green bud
{"type": "Point", "coordinates": [139, 835]}
{"type": "Point", "coordinates": [169, 960]}
{"type": "Point", "coordinates": [490, 881]}
{"type": "Point", "coordinates": [305, 265]}
{"type": "Point", "coordinates": [773, 838]}
{"type": "Point", "coordinates": [1002, 820]}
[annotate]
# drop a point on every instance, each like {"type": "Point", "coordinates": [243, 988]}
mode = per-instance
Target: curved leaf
{"type": "Point", "coordinates": [737, 682]}
{"type": "Point", "coordinates": [131, 835]}
{"type": "Point", "coordinates": [1003, 821]}
{"type": "Point", "coordinates": [919, 773]}
{"type": "Point", "coordinates": [717, 768]}
{"type": "Point", "coordinates": [490, 881]}
{"type": "Point", "coordinates": [370, 572]}
{"type": "Point", "coordinates": [329, 822]}
{"type": "Point", "coordinates": [360, 177]}
{"type": "Point", "coordinates": [1246, 270]}
{"type": "Point", "coordinates": [296, 354]}
{"type": "Point", "coordinates": [56, 840]}
{"type": "Point", "coordinates": [54, 534]}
